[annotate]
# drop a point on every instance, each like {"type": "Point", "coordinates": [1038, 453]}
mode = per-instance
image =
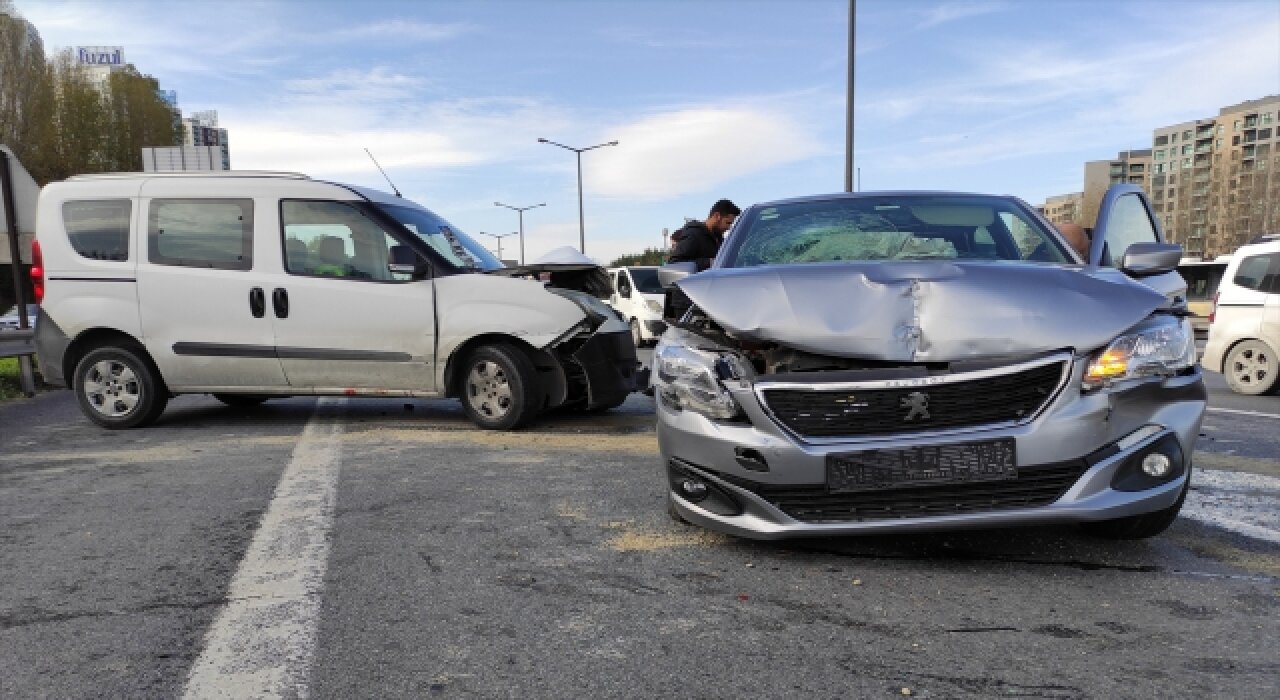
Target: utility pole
{"type": "Point", "coordinates": [848, 129]}
{"type": "Point", "coordinates": [582, 234]}
{"type": "Point", "coordinates": [499, 237]}
{"type": "Point", "coordinates": [520, 211]}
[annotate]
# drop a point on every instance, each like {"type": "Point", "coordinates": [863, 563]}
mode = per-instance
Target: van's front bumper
{"type": "Point", "coordinates": [763, 482]}
{"type": "Point", "coordinates": [609, 362]}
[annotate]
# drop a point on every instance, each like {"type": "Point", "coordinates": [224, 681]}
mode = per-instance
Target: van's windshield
{"type": "Point", "coordinates": [453, 245]}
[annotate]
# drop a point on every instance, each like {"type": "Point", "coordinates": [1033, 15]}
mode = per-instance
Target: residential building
{"type": "Point", "coordinates": [1132, 167]}
{"type": "Point", "coordinates": [1063, 208]}
{"type": "Point", "coordinates": [99, 62]}
{"type": "Point", "coordinates": [1214, 183]}
{"type": "Point", "coordinates": [201, 129]}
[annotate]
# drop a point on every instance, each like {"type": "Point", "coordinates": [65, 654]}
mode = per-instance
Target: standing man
{"type": "Point", "coordinates": [698, 242]}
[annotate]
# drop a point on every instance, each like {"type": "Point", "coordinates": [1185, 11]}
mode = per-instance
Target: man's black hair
{"type": "Point", "coordinates": [724, 208]}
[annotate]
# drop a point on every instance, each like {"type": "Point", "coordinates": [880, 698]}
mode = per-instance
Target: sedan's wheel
{"type": "Point", "coordinates": [500, 389]}
{"type": "Point", "coordinates": [117, 388]}
{"type": "Point", "coordinates": [637, 336]}
{"type": "Point", "coordinates": [241, 400]}
{"type": "Point", "coordinates": [1251, 368]}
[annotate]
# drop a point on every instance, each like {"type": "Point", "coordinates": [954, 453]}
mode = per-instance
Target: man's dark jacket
{"type": "Point", "coordinates": [695, 243]}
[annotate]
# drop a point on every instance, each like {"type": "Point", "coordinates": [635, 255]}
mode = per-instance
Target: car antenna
{"type": "Point", "coordinates": [384, 174]}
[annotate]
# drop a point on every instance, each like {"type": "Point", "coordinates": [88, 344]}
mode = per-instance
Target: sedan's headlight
{"type": "Point", "coordinates": [1163, 348]}
{"type": "Point", "coordinates": [654, 306]}
{"type": "Point", "coordinates": [689, 378]}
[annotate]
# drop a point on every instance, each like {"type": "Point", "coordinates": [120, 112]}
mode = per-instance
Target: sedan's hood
{"type": "Point", "coordinates": [922, 311]}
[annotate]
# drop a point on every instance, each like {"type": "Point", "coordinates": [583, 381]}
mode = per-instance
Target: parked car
{"type": "Point", "coordinates": [10, 318]}
{"type": "Point", "coordinates": [1244, 333]}
{"type": "Point", "coordinates": [638, 296]}
{"type": "Point", "coordinates": [251, 286]}
{"type": "Point", "coordinates": [887, 362]}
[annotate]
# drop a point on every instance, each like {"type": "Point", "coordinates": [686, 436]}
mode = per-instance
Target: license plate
{"type": "Point", "coordinates": [989, 460]}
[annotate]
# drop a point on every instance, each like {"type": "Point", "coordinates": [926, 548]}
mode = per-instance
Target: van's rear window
{"type": "Point", "coordinates": [98, 229]}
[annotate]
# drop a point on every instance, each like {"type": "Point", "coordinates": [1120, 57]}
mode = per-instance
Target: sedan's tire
{"type": "Point", "coordinates": [1252, 368]}
{"type": "Point", "coordinates": [675, 514]}
{"type": "Point", "coordinates": [499, 387]}
{"type": "Point", "coordinates": [1138, 527]}
{"type": "Point", "coordinates": [118, 388]}
{"type": "Point", "coordinates": [241, 400]}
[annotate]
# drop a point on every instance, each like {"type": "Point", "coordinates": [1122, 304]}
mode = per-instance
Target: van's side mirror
{"type": "Point", "coordinates": [1147, 259]}
{"type": "Point", "coordinates": [671, 273]}
{"type": "Point", "coordinates": [406, 262]}
{"type": "Point", "coordinates": [625, 292]}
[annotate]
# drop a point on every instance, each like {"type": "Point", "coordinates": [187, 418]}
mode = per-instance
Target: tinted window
{"type": "Point", "coordinates": [98, 229]}
{"type": "Point", "coordinates": [214, 233]}
{"type": "Point", "coordinates": [892, 228]}
{"type": "Point", "coordinates": [1127, 224]}
{"type": "Point", "coordinates": [333, 239]}
{"type": "Point", "coordinates": [1260, 272]}
{"type": "Point", "coordinates": [646, 281]}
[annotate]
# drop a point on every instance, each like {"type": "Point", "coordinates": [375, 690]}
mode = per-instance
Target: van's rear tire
{"type": "Point", "coordinates": [499, 387]}
{"type": "Point", "coordinates": [118, 388]}
{"type": "Point", "coordinates": [241, 400]}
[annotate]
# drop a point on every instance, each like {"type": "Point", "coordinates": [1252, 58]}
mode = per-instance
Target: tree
{"type": "Point", "coordinates": [650, 256]}
{"type": "Point", "coordinates": [136, 118]}
{"type": "Point", "coordinates": [26, 93]}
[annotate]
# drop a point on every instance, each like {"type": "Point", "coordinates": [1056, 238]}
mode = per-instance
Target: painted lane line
{"type": "Point", "coordinates": [1248, 504]}
{"type": "Point", "coordinates": [263, 641]}
{"type": "Point", "coordinates": [1243, 413]}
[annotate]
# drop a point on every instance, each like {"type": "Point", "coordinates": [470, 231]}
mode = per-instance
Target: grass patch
{"type": "Point", "coordinates": [10, 379]}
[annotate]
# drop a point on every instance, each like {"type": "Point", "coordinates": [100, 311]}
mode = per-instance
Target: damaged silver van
{"type": "Point", "coordinates": [887, 362]}
{"type": "Point", "coordinates": [254, 285]}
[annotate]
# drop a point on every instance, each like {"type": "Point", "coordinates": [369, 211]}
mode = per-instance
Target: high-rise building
{"type": "Point", "coordinates": [1063, 208]}
{"type": "Point", "coordinates": [1214, 183]}
{"type": "Point", "coordinates": [1130, 167]}
{"type": "Point", "coordinates": [99, 62]}
{"type": "Point", "coordinates": [201, 129]}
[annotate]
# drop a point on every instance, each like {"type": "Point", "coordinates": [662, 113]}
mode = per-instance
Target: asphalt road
{"type": "Point", "coordinates": [459, 563]}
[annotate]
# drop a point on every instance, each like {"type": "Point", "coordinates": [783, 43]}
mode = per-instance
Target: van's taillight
{"type": "Point", "coordinates": [37, 271]}
{"type": "Point", "coordinates": [1214, 311]}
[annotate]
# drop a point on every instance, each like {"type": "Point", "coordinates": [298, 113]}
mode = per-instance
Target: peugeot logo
{"type": "Point", "coordinates": [918, 404]}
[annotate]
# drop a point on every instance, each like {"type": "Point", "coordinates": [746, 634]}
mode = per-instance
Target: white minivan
{"type": "Point", "coordinates": [1244, 328]}
{"type": "Point", "coordinates": [254, 285]}
{"type": "Point", "coordinates": [638, 295]}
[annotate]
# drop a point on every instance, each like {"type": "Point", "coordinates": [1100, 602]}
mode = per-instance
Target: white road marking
{"type": "Point", "coordinates": [263, 641]}
{"type": "Point", "coordinates": [1243, 413]}
{"type": "Point", "coordinates": [1245, 503]}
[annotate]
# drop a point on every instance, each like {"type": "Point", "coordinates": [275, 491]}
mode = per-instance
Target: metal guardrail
{"type": "Point", "coordinates": [21, 344]}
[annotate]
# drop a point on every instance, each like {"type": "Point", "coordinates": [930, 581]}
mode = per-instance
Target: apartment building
{"type": "Point", "coordinates": [201, 129]}
{"type": "Point", "coordinates": [1133, 167]}
{"type": "Point", "coordinates": [1063, 208]}
{"type": "Point", "coordinates": [1213, 181]}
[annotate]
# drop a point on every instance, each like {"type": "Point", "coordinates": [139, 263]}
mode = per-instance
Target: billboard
{"type": "Point", "coordinates": [100, 55]}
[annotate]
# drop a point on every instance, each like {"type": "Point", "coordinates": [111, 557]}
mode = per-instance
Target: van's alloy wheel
{"type": "Point", "coordinates": [500, 388]}
{"type": "Point", "coordinates": [117, 388]}
{"type": "Point", "coordinates": [1252, 368]}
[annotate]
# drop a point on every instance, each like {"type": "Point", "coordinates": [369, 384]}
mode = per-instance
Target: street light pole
{"type": "Point", "coordinates": [499, 237]}
{"type": "Point", "coordinates": [848, 129]}
{"type": "Point", "coordinates": [520, 211]}
{"type": "Point", "coordinates": [582, 229]}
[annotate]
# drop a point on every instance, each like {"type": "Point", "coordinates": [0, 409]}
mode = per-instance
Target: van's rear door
{"type": "Point", "coordinates": [204, 283]}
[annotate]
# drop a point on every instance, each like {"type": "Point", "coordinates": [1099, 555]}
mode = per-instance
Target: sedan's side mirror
{"type": "Point", "coordinates": [671, 273]}
{"type": "Point", "coordinates": [1147, 259]}
{"type": "Point", "coordinates": [404, 261]}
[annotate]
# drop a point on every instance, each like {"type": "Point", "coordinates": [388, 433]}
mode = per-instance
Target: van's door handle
{"type": "Point", "coordinates": [257, 302]}
{"type": "Point", "coordinates": [280, 302]}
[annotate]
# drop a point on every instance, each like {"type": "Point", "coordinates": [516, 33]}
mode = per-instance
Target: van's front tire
{"type": "Point", "coordinates": [117, 388]}
{"type": "Point", "coordinates": [1252, 368]}
{"type": "Point", "coordinates": [500, 389]}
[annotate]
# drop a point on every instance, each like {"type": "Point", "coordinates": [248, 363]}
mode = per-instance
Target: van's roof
{"type": "Point", "coordinates": [278, 174]}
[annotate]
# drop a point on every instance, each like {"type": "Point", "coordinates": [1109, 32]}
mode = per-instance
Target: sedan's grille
{"type": "Point", "coordinates": [827, 413]}
{"type": "Point", "coordinates": [1035, 486]}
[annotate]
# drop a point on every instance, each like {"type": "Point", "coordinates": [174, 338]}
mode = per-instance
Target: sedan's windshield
{"type": "Point", "coordinates": [453, 245]}
{"type": "Point", "coordinates": [646, 280]}
{"type": "Point", "coordinates": [892, 227]}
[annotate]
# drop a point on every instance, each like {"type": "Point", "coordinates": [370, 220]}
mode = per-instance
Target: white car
{"type": "Point", "coordinates": [10, 320]}
{"type": "Point", "coordinates": [250, 285]}
{"type": "Point", "coordinates": [638, 295]}
{"type": "Point", "coordinates": [1244, 328]}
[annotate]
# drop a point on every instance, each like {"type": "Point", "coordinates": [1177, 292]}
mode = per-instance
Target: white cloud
{"type": "Point", "coordinates": [953, 11]}
{"type": "Point", "coordinates": [397, 30]}
{"type": "Point", "coordinates": [693, 150]}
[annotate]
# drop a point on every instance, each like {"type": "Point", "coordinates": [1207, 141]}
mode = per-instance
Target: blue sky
{"type": "Point", "coordinates": [708, 99]}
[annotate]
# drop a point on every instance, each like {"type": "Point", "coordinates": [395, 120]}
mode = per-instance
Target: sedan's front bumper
{"type": "Point", "coordinates": [1088, 441]}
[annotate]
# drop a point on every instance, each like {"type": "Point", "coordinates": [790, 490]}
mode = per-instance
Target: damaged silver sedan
{"type": "Point", "coordinates": [891, 362]}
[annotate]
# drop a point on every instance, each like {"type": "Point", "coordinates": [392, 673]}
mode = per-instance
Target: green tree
{"type": "Point", "coordinates": [136, 118]}
{"type": "Point", "coordinates": [650, 256]}
{"type": "Point", "coordinates": [26, 94]}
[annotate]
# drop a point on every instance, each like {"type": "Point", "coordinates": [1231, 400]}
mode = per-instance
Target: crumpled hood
{"type": "Point", "coordinates": [922, 311]}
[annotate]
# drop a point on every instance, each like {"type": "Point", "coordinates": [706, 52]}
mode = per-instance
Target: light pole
{"type": "Point", "coordinates": [848, 99]}
{"type": "Point", "coordinates": [520, 211]}
{"type": "Point", "coordinates": [500, 236]}
{"type": "Point", "coordinates": [582, 231]}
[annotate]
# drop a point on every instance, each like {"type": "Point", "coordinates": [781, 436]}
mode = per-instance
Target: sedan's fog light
{"type": "Point", "coordinates": [1156, 464]}
{"type": "Point", "coordinates": [693, 490]}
